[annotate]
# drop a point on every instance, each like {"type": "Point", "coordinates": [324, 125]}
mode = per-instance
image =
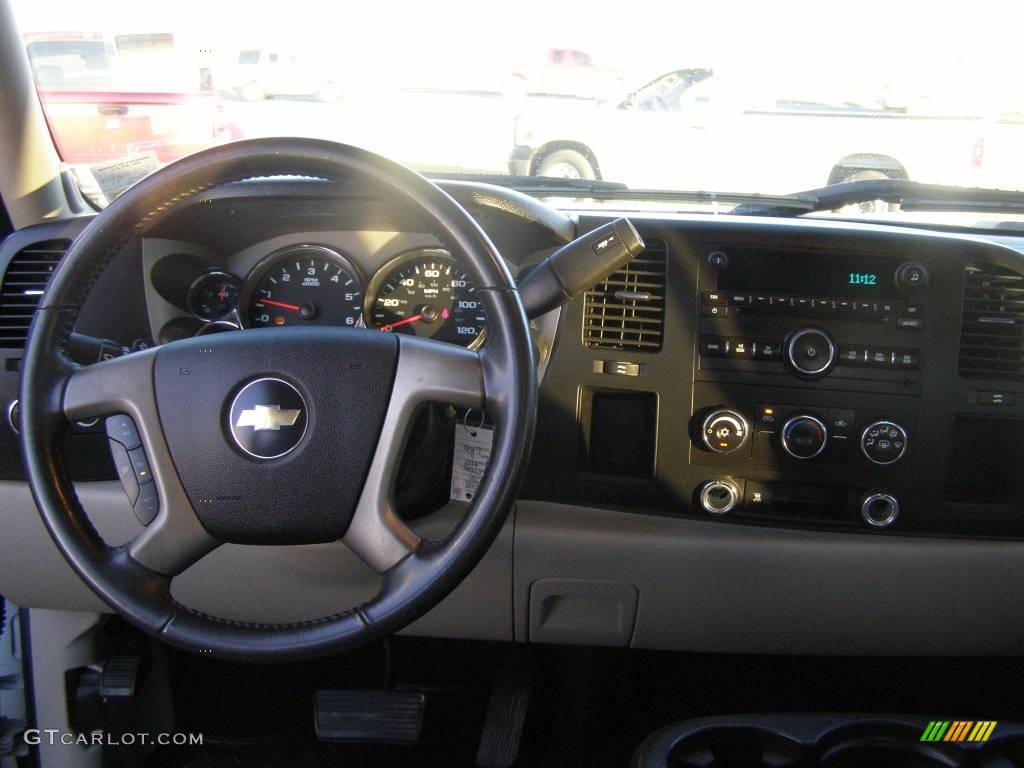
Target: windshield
{"type": "Point", "coordinates": [746, 97]}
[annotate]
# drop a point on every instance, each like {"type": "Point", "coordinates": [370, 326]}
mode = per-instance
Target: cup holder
{"type": "Point", "coordinates": [822, 741]}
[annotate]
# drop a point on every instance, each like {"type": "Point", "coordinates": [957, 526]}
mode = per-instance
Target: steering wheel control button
{"type": "Point", "coordinates": [268, 418]}
{"type": "Point", "coordinates": [804, 437]}
{"type": "Point", "coordinates": [125, 470]}
{"type": "Point", "coordinates": [879, 510]}
{"type": "Point", "coordinates": [148, 504]}
{"type": "Point", "coordinates": [122, 429]}
{"type": "Point", "coordinates": [810, 352]}
{"type": "Point", "coordinates": [140, 464]}
{"type": "Point", "coordinates": [883, 442]}
{"type": "Point", "coordinates": [719, 497]}
{"type": "Point", "coordinates": [725, 431]}
{"type": "Point", "coordinates": [911, 276]}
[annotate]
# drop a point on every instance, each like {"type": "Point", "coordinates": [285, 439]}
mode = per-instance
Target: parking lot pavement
{"type": "Point", "coordinates": [428, 131]}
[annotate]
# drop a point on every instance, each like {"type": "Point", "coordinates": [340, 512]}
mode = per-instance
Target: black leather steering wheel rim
{"type": "Point", "coordinates": [54, 390]}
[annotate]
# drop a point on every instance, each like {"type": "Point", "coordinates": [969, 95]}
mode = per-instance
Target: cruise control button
{"type": "Point", "coordinates": [125, 470]}
{"type": "Point", "coordinates": [714, 346]}
{"type": "Point", "coordinates": [148, 504]}
{"type": "Point", "coordinates": [140, 466]}
{"type": "Point", "coordinates": [122, 429]}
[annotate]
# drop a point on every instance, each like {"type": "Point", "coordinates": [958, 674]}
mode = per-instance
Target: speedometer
{"type": "Point", "coordinates": [303, 284]}
{"type": "Point", "coordinates": [425, 292]}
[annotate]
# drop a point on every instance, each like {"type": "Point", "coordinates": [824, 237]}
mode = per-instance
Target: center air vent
{"type": "Point", "coordinates": [627, 310]}
{"type": "Point", "coordinates": [24, 283]}
{"type": "Point", "coordinates": [992, 332]}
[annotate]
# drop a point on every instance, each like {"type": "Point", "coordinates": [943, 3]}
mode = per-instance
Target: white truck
{"type": "Point", "coordinates": [696, 129]}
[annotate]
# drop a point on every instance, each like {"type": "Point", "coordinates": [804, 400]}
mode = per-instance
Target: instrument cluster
{"type": "Point", "coordinates": [422, 291]}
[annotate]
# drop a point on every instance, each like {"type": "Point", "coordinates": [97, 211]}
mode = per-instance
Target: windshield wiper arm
{"type": "Point", "coordinates": [598, 189]}
{"type": "Point", "coordinates": [910, 195]}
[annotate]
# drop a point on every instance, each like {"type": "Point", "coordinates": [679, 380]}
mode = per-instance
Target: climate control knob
{"type": "Point", "coordinates": [883, 442]}
{"type": "Point", "coordinates": [725, 431]}
{"type": "Point", "coordinates": [879, 510]}
{"type": "Point", "coordinates": [810, 352]}
{"type": "Point", "coordinates": [718, 497]}
{"type": "Point", "coordinates": [804, 437]}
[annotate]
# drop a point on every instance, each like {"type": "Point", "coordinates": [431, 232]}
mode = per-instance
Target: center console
{"type": "Point", "coordinates": [807, 383]}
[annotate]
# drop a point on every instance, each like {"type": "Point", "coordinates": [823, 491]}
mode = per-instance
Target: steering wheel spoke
{"type": "Point", "coordinates": [175, 539]}
{"type": "Point", "coordinates": [427, 372]}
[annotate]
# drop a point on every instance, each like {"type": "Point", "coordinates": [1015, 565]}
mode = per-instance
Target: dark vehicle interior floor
{"type": "Point", "coordinates": [589, 707]}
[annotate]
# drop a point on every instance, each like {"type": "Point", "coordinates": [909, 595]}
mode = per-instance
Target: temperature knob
{"type": "Point", "coordinates": [725, 431]}
{"type": "Point", "coordinates": [804, 437]}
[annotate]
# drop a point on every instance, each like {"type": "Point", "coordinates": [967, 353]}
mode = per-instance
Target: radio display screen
{"type": "Point", "coordinates": [809, 274]}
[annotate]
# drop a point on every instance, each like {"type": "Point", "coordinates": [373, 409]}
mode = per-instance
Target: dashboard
{"type": "Point", "coordinates": [750, 409]}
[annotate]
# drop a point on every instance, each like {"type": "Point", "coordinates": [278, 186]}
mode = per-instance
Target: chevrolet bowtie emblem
{"type": "Point", "coordinates": [267, 417]}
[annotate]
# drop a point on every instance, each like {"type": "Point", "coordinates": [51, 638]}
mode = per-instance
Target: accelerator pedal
{"type": "Point", "coordinates": [506, 712]}
{"type": "Point", "coordinates": [388, 716]}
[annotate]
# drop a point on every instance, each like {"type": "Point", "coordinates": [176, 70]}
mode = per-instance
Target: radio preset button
{"type": "Point", "coordinates": [851, 356]}
{"type": "Point", "coordinates": [810, 352]}
{"type": "Point", "coordinates": [879, 358]}
{"type": "Point", "coordinates": [768, 350]}
{"type": "Point", "coordinates": [907, 359]}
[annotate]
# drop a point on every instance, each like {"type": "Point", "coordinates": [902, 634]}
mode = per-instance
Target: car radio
{"type": "Point", "coordinates": [811, 316]}
{"type": "Point", "coordinates": [806, 386]}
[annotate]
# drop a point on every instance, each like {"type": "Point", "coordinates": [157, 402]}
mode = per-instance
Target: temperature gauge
{"type": "Point", "coordinates": [213, 295]}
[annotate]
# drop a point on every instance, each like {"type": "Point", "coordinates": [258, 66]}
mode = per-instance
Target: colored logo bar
{"type": "Point", "coordinates": [959, 730]}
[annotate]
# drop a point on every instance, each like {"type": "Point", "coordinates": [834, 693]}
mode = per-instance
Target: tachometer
{"type": "Point", "coordinates": [425, 292]}
{"type": "Point", "coordinates": [303, 284]}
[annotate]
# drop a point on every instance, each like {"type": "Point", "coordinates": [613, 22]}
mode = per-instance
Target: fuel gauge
{"type": "Point", "coordinates": [213, 295]}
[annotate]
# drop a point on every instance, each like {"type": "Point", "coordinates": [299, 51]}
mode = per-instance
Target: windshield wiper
{"type": "Point", "coordinates": [909, 195]}
{"type": "Point", "coordinates": [598, 189]}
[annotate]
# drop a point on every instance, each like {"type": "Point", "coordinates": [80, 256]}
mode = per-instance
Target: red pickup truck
{"type": "Point", "coordinates": [106, 99]}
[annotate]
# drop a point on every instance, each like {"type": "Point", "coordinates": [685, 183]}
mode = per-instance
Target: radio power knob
{"type": "Point", "coordinates": [724, 431]}
{"type": "Point", "coordinates": [810, 352]}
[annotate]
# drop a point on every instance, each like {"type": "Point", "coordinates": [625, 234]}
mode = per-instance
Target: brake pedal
{"type": "Point", "coordinates": [388, 716]}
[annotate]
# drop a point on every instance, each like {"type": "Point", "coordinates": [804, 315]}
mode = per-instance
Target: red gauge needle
{"type": "Point", "coordinates": [282, 305]}
{"type": "Point", "coordinates": [404, 321]}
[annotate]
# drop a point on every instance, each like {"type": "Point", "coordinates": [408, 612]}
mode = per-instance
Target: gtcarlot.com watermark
{"type": "Point", "coordinates": [51, 736]}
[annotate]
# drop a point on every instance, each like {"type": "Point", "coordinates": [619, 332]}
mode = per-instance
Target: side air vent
{"type": "Point", "coordinates": [992, 331]}
{"type": "Point", "coordinates": [27, 276]}
{"type": "Point", "coordinates": [627, 311]}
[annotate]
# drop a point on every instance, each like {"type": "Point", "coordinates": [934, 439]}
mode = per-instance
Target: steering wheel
{"type": "Point", "coordinates": [333, 407]}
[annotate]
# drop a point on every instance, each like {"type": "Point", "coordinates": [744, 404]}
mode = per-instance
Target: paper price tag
{"type": "Point", "coordinates": [472, 452]}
